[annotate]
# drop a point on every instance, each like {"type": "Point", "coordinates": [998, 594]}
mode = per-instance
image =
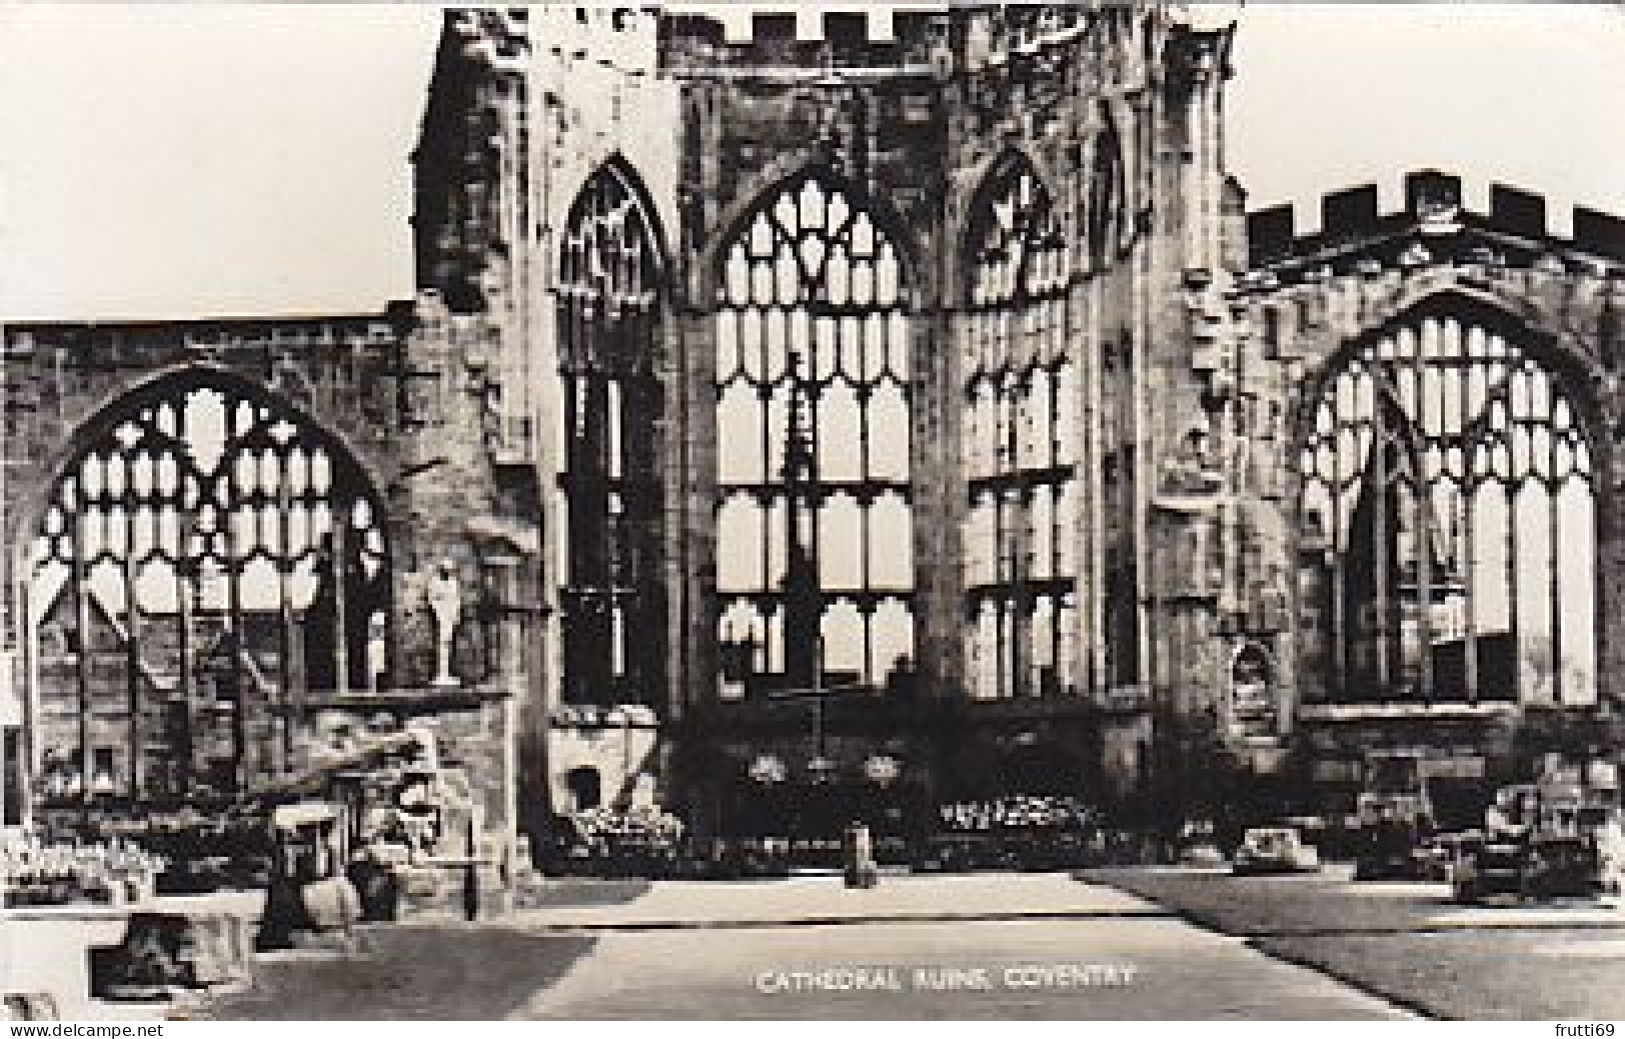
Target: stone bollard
{"type": "Point", "coordinates": [332, 909]}
{"type": "Point", "coordinates": [318, 913]}
{"type": "Point", "coordinates": [220, 957]}
{"type": "Point", "coordinates": [860, 870]}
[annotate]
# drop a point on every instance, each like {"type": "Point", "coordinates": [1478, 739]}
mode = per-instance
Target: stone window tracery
{"type": "Point", "coordinates": [215, 557]}
{"type": "Point", "coordinates": [1448, 524]}
{"type": "Point", "coordinates": [609, 296]}
{"type": "Point", "coordinates": [1020, 443]}
{"type": "Point", "coordinates": [814, 539]}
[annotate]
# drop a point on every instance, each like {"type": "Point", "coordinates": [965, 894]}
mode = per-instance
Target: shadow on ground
{"type": "Point", "coordinates": [1276, 906]}
{"type": "Point", "coordinates": [581, 891]}
{"type": "Point", "coordinates": [407, 972]}
{"type": "Point", "coordinates": [1390, 939]}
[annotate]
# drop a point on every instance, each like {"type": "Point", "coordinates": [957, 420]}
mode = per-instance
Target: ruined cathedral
{"type": "Point", "coordinates": [809, 419]}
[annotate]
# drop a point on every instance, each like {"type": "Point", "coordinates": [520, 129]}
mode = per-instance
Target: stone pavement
{"type": "Point", "coordinates": [981, 947]}
{"type": "Point", "coordinates": [1009, 946]}
{"type": "Point", "coordinates": [808, 900]}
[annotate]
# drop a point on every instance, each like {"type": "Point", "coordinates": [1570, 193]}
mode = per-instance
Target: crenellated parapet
{"type": "Point", "coordinates": [788, 41]}
{"type": "Point", "coordinates": [1353, 229]}
{"type": "Point", "coordinates": [780, 42]}
{"type": "Point", "coordinates": [1361, 269]}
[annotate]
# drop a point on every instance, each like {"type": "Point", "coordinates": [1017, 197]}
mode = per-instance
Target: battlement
{"type": "Point", "coordinates": [701, 39]}
{"type": "Point", "coordinates": [906, 38]}
{"type": "Point", "coordinates": [1434, 206]}
{"type": "Point", "coordinates": [779, 40]}
{"type": "Point", "coordinates": [743, 24]}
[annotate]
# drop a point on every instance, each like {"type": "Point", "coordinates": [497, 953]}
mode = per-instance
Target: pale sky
{"type": "Point", "coordinates": [168, 161]}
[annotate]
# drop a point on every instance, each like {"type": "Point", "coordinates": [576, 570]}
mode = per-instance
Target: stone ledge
{"type": "Point", "coordinates": [1366, 712]}
{"type": "Point", "coordinates": [416, 698]}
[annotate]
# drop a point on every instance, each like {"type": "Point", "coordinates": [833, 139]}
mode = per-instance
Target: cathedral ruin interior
{"type": "Point", "coordinates": [836, 416]}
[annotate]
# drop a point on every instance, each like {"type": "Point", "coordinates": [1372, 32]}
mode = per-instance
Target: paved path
{"type": "Point", "coordinates": [921, 948]}
{"type": "Point", "coordinates": [824, 900]}
{"type": "Point", "coordinates": [1140, 943]}
{"type": "Point", "coordinates": [983, 947]}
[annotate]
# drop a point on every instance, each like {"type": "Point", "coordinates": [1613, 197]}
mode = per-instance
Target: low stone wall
{"type": "Point", "coordinates": [165, 952]}
{"type": "Point", "coordinates": [60, 960]}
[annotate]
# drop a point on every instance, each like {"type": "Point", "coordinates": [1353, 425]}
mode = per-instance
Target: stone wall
{"type": "Point", "coordinates": [1313, 296]}
{"type": "Point", "coordinates": [911, 113]}
{"type": "Point", "coordinates": [386, 398]}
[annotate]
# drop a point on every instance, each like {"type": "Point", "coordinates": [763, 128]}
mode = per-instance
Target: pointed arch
{"type": "Point", "coordinates": [1012, 215]}
{"type": "Point", "coordinates": [814, 421]}
{"type": "Point", "coordinates": [1443, 458]}
{"type": "Point", "coordinates": [614, 193]}
{"type": "Point", "coordinates": [1514, 318]}
{"type": "Point", "coordinates": [610, 309]}
{"type": "Point", "coordinates": [105, 416]}
{"type": "Point", "coordinates": [761, 191]}
{"type": "Point", "coordinates": [1022, 438]}
{"type": "Point", "coordinates": [204, 554]}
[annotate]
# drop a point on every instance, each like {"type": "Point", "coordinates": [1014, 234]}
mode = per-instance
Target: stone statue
{"type": "Point", "coordinates": [446, 604]}
{"type": "Point", "coordinates": [377, 650]}
{"type": "Point", "coordinates": [1193, 467]}
{"type": "Point", "coordinates": [1273, 597]}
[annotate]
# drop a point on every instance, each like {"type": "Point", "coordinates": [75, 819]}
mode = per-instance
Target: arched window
{"type": "Point", "coordinates": [609, 318]}
{"type": "Point", "coordinates": [814, 546]}
{"type": "Point", "coordinates": [1448, 524]}
{"type": "Point", "coordinates": [1106, 195]}
{"type": "Point", "coordinates": [202, 563]}
{"type": "Point", "coordinates": [1020, 443]}
{"type": "Point", "coordinates": [586, 786]}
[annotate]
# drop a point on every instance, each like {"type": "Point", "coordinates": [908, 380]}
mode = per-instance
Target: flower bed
{"type": "Point", "coordinates": [33, 872]}
{"type": "Point", "coordinates": [624, 842]}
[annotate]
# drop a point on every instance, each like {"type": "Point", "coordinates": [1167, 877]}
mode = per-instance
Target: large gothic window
{"type": "Point", "coordinates": [608, 319]}
{"type": "Point", "coordinates": [814, 548]}
{"type": "Point", "coordinates": [1020, 444]}
{"type": "Point", "coordinates": [1448, 524]}
{"type": "Point", "coordinates": [201, 565]}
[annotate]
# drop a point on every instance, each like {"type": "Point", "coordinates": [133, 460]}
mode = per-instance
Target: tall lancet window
{"type": "Point", "coordinates": [1021, 441]}
{"type": "Point", "coordinates": [209, 560]}
{"type": "Point", "coordinates": [814, 547]}
{"type": "Point", "coordinates": [1448, 524]}
{"type": "Point", "coordinates": [608, 319]}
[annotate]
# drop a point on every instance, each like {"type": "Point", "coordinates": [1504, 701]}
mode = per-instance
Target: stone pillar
{"type": "Point", "coordinates": [692, 568]}
{"type": "Point", "coordinates": [939, 500]}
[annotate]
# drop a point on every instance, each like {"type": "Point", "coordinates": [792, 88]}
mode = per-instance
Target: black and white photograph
{"type": "Point", "coordinates": [1040, 511]}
